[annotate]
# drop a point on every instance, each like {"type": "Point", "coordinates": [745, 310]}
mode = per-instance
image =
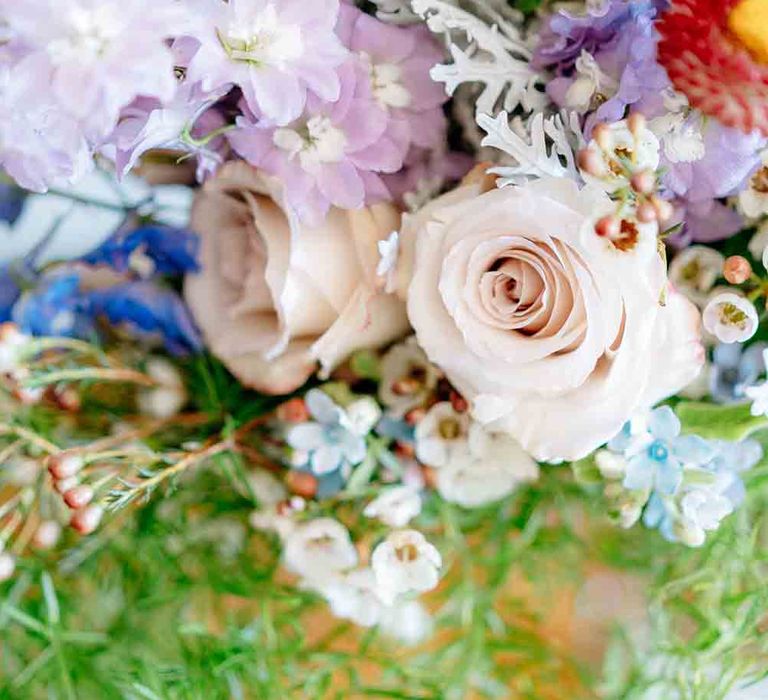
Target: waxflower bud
{"type": "Point", "coordinates": [737, 269]}
{"type": "Point", "coordinates": [646, 213]}
{"type": "Point", "coordinates": [63, 485]}
{"type": "Point", "coordinates": [603, 137]}
{"type": "Point", "coordinates": [644, 182]}
{"type": "Point", "coordinates": [608, 227]}
{"type": "Point", "coordinates": [302, 484]}
{"type": "Point", "coordinates": [7, 566]}
{"type": "Point", "coordinates": [86, 521]}
{"type": "Point", "coordinates": [664, 210]}
{"type": "Point", "coordinates": [293, 411]}
{"type": "Point", "coordinates": [591, 162]}
{"type": "Point", "coordinates": [78, 497]}
{"type": "Point", "coordinates": [47, 534]}
{"type": "Point", "coordinates": [64, 465]}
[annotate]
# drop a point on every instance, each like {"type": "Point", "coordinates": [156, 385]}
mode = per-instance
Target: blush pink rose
{"type": "Point", "coordinates": [275, 298]}
{"type": "Point", "coordinates": [555, 335]}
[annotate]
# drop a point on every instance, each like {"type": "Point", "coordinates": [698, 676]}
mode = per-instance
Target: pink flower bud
{"type": "Point", "coordinates": [608, 227]}
{"type": "Point", "coordinates": [63, 485]}
{"type": "Point", "coordinates": [644, 182]}
{"type": "Point", "coordinates": [646, 213]}
{"type": "Point", "coordinates": [47, 534]}
{"type": "Point", "coordinates": [591, 162]}
{"type": "Point", "coordinates": [603, 136]}
{"type": "Point", "coordinates": [664, 210]}
{"type": "Point", "coordinates": [86, 521]}
{"type": "Point", "coordinates": [64, 465]}
{"type": "Point", "coordinates": [78, 497]}
{"type": "Point", "coordinates": [737, 269]}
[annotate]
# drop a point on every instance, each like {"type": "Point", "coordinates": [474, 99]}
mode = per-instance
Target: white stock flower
{"type": "Point", "coordinates": [441, 432]}
{"type": "Point", "coordinates": [405, 562]}
{"type": "Point", "coordinates": [489, 469]}
{"type": "Point", "coordinates": [730, 318]}
{"type": "Point", "coordinates": [694, 271]}
{"type": "Point", "coordinates": [319, 549]}
{"type": "Point", "coordinates": [395, 506]}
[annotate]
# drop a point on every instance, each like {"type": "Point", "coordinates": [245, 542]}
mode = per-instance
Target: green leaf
{"type": "Point", "coordinates": [719, 422]}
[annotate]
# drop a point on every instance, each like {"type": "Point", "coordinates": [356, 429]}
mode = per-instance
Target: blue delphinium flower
{"type": "Point", "coordinates": [734, 369]}
{"type": "Point", "coordinates": [149, 250]}
{"type": "Point", "coordinates": [56, 306]}
{"type": "Point", "coordinates": [148, 311]}
{"type": "Point", "coordinates": [330, 441]}
{"type": "Point", "coordinates": [656, 456]}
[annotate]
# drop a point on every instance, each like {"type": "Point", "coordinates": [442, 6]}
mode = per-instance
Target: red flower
{"type": "Point", "coordinates": [708, 58]}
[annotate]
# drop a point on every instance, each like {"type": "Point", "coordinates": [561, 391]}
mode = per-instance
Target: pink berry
{"type": "Point", "coordinates": [737, 269]}
{"type": "Point", "coordinates": [78, 497]}
{"type": "Point", "coordinates": [608, 227]}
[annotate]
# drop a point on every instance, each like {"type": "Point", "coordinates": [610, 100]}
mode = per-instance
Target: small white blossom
{"type": "Point", "coordinates": [7, 566]}
{"type": "Point", "coordinates": [590, 82]}
{"type": "Point", "coordinates": [353, 596]}
{"type": "Point", "coordinates": [168, 397]}
{"type": "Point", "coordinates": [395, 506]}
{"type": "Point", "coordinates": [407, 622]}
{"type": "Point", "coordinates": [611, 465]}
{"type": "Point", "coordinates": [440, 433]}
{"type": "Point", "coordinates": [753, 201]}
{"type": "Point", "coordinates": [641, 152]}
{"type": "Point", "coordinates": [759, 242]}
{"type": "Point", "coordinates": [362, 416]}
{"type": "Point", "coordinates": [489, 469]}
{"type": "Point", "coordinates": [730, 318]}
{"type": "Point", "coordinates": [694, 271]}
{"type": "Point", "coordinates": [407, 377]}
{"type": "Point", "coordinates": [318, 549]}
{"type": "Point", "coordinates": [405, 562]}
{"type": "Point", "coordinates": [389, 252]}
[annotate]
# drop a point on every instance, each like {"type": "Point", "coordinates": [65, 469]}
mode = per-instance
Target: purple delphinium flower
{"type": "Point", "coordinates": [276, 52]}
{"type": "Point", "coordinates": [40, 146]}
{"type": "Point", "coordinates": [100, 54]}
{"type": "Point", "coordinates": [148, 250]}
{"type": "Point", "coordinates": [730, 158]}
{"type": "Point", "coordinates": [332, 155]}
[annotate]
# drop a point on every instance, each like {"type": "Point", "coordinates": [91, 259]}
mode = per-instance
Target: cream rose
{"type": "Point", "coordinates": [274, 298]}
{"type": "Point", "coordinates": [555, 335]}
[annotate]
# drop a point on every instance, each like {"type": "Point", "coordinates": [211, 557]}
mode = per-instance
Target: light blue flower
{"type": "Point", "coordinates": [659, 515]}
{"type": "Point", "coordinates": [657, 458]}
{"type": "Point", "coordinates": [330, 440]}
{"type": "Point", "coordinates": [734, 369]}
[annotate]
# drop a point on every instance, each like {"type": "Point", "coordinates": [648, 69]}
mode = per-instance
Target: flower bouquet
{"type": "Point", "coordinates": [405, 349]}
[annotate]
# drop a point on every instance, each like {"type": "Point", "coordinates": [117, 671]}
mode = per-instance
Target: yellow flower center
{"type": "Point", "coordinates": [748, 20]}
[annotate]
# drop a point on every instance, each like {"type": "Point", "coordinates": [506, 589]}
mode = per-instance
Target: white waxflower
{"type": "Point", "coordinates": [407, 377]}
{"type": "Point", "coordinates": [611, 465]}
{"type": "Point", "coordinates": [641, 151]}
{"type": "Point", "coordinates": [266, 487]}
{"type": "Point", "coordinates": [408, 622]}
{"type": "Point", "coordinates": [704, 509]}
{"type": "Point", "coordinates": [440, 433]}
{"type": "Point", "coordinates": [353, 596]}
{"type": "Point", "coordinates": [319, 549]}
{"type": "Point", "coordinates": [405, 562]}
{"type": "Point", "coordinates": [694, 271]}
{"type": "Point", "coordinates": [395, 506]}
{"type": "Point", "coordinates": [169, 395]}
{"type": "Point", "coordinates": [730, 318]}
{"type": "Point", "coordinates": [362, 416]}
{"type": "Point", "coordinates": [489, 469]}
{"type": "Point", "coordinates": [590, 82]}
{"type": "Point", "coordinates": [753, 201]}
{"type": "Point", "coordinates": [759, 242]}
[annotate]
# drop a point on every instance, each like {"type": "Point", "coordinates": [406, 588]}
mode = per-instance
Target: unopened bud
{"type": "Point", "coordinates": [458, 402]}
{"type": "Point", "coordinates": [65, 465]}
{"type": "Point", "coordinates": [86, 521]}
{"type": "Point", "coordinates": [47, 534]}
{"type": "Point", "coordinates": [737, 269]}
{"type": "Point", "coordinates": [293, 411]}
{"type": "Point", "coordinates": [28, 396]}
{"type": "Point", "coordinates": [78, 497]}
{"type": "Point", "coordinates": [415, 416]}
{"type": "Point", "coordinates": [636, 124]}
{"type": "Point", "coordinates": [591, 162]}
{"type": "Point", "coordinates": [67, 399]}
{"type": "Point", "coordinates": [644, 182]}
{"type": "Point", "coordinates": [646, 213]}
{"type": "Point", "coordinates": [608, 227]}
{"type": "Point", "coordinates": [302, 484]}
{"type": "Point", "coordinates": [63, 485]}
{"type": "Point", "coordinates": [664, 210]}
{"type": "Point", "coordinates": [603, 137]}
{"type": "Point", "coordinates": [7, 566]}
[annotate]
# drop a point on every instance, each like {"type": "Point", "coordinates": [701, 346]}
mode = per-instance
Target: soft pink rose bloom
{"type": "Point", "coordinates": [275, 297]}
{"type": "Point", "coordinates": [555, 335]}
{"type": "Point", "coordinates": [276, 52]}
{"type": "Point", "coordinates": [103, 53]}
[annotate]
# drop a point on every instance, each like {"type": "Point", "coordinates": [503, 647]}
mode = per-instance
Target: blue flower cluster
{"type": "Point", "coordinates": [686, 484]}
{"type": "Point", "coordinates": [119, 285]}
